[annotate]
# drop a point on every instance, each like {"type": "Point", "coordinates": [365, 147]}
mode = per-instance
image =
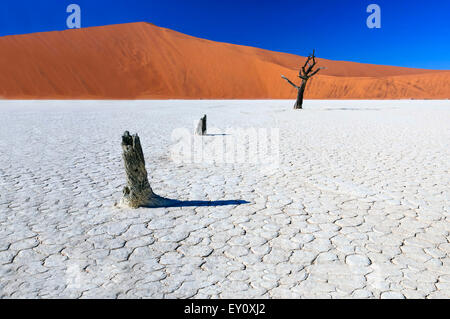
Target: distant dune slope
{"type": "Point", "coordinates": [140, 60]}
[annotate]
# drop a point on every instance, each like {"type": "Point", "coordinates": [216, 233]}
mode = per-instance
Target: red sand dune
{"type": "Point", "coordinates": [140, 61]}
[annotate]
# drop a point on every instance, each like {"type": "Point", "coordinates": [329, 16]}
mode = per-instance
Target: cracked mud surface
{"type": "Point", "coordinates": [359, 206]}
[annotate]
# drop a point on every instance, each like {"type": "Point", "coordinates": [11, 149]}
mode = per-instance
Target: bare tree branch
{"type": "Point", "coordinates": [290, 82]}
{"type": "Point", "coordinates": [303, 77]}
{"type": "Point", "coordinates": [311, 66]}
{"type": "Point", "coordinates": [315, 72]}
{"type": "Point", "coordinates": [305, 65]}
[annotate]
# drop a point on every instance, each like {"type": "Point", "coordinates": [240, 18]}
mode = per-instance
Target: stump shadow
{"type": "Point", "coordinates": [191, 203]}
{"type": "Point", "coordinates": [360, 109]}
{"type": "Point", "coordinates": [166, 203]}
{"type": "Point", "coordinates": [352, 109]}
{"type": "Point", "coordinates": [216, 134]}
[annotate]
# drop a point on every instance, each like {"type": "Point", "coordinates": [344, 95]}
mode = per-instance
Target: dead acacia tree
{"type": "Point", "coordinates": [306, 72]}
{"type": "Point", "coordinates": [138, 192]}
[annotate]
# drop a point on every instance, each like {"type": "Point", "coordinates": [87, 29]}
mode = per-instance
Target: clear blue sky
{"type": "Point", "coordinates": [414, 33]}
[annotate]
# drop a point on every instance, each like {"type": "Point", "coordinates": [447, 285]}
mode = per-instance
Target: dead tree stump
{"type": "Point", "coordinates": [201, 127]}
{"type": "Point", "coordinates": [138, 192]}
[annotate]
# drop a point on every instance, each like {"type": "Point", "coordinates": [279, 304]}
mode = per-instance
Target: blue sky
{"type": "Point", "coordinates": [414, 33]}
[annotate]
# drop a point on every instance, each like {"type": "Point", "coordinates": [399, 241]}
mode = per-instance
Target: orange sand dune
{"type": "Point", "coordinates": [140, 60]}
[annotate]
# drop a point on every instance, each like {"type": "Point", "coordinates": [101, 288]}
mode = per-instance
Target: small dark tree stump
{"type": "Point", "coordinates": [138, 192]}
{"type": "Point", "coordinates": [201, 127]}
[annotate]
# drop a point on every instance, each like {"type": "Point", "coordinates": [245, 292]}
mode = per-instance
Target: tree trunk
{"type": "Point", "coordinates": [301, 90]}
{"type": "Point", "coordinates": [138, 192]}
{"type": "Point", "coordinates": [201, 127]}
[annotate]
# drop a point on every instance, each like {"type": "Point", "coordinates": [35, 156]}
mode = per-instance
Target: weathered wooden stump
{"type": "Point", "coordinates": [201, 127]}
{"type": "Point", "coordinates": [138, 192]}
